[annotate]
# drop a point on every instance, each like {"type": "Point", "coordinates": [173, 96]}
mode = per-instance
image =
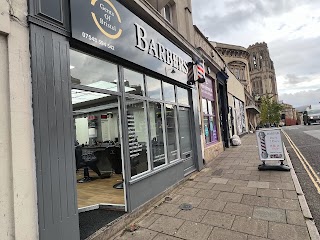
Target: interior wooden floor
{"type": "Point", "coordinates": [99, 190]}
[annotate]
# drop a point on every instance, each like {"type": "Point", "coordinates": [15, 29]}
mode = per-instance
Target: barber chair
{"type": "Point", "coordinates": [86, 159]}
{"type": "Point", "coordinates": [114, 156]}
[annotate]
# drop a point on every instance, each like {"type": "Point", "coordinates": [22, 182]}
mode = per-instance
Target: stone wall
{"type": "Point", "coordinates": [18, 197]}
{"type": "Point", "coordinates": [212, 151]}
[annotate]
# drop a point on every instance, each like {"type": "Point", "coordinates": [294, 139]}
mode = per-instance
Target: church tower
{"type": "Point", "coordinates": [262, 73]}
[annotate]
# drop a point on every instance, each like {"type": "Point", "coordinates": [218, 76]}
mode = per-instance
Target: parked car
{"type": "Point", "coordinates": [311, 116]}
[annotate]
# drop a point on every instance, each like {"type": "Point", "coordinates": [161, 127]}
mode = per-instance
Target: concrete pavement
{"type": "Point", "coordinates": [230, 200]}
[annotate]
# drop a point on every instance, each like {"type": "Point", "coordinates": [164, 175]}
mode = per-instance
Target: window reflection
{"type": "Point", "coordinates": [93, 72]}
{"type": "Point", "coordinates": [157, 138]}
{"type": "Point", "coordinates": [182, 96]}
{"type": "Point", "coordinates": [204, 106]}
{"type": "Point", "coordinates": [97, 148]}
{"type": "Point", "coordinates": [133, 82]}
{"type": "Point", "coordinates": [171, 129]}
{"type": "Point", "coordinates": [184, 131]}
{"type": "Point", "coordinates": [206, 128]}
{"type": "Point", "coordinates": [153, 88]}
{"type": "Point", "coordinates": [168, 92]}
{"type": "Point", "coordinates": [138, 135]}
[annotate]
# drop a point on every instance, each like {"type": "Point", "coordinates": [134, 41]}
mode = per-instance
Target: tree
{"type": "Point", "coordinates": [270, 111]}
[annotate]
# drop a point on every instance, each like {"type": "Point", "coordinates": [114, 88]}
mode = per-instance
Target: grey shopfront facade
{"type": "Point", "coordinates": [69, 40]}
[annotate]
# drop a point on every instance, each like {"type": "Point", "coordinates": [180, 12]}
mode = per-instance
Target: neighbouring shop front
{"type": "Point", "coordinates": [115, 122]}
{"type": "Point", "coordinates": [239, 116]}
{"type": "Point", "coordinates": [212, 138]}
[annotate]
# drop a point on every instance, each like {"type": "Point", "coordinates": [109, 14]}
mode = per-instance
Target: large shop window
{"type": "Point", "coordinates": [209, 121]}
{"type": "Point", "coordinates": [96, 117]}
{"type": "Point", "coordinates": [152, 123]}
{"type": "Point", "coordinates": [93, 73]}
{"type": "Point", "coordinates": [209, 112]}
{"type": "Point", "coordinates": [138, 135]}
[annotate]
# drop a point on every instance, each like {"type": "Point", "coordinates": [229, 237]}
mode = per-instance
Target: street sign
{"type": "Point", "coordinates": [270, 144]}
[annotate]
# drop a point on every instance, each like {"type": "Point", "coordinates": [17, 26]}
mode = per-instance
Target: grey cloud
{"type": "Point", "coordinates": [301, 98]}
{"type": "Point", "coordinates": [282, 26]}
{"type": "Point", "coordinates": [300, 27]}
{"type": "Point", "coordinates": [294, 79]}
{"type": "Point", "coordinates": [298, 56]}
{"type": "Point", "coordinates": [218, 18]}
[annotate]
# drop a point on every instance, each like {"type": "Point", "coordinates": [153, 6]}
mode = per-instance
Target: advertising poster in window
{"type": "Point", "coordinates": [270, 145]}
{"type": "Point", "coordinates": [239, 116]}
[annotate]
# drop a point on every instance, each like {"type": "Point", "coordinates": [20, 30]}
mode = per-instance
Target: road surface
{"type": "Point", "coordinates": [307, 141]}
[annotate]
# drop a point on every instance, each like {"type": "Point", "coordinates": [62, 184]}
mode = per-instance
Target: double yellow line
{"type": "Point", "coordinates": [312, 174]}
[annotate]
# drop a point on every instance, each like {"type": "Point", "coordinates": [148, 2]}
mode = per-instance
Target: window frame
{"type": "Point", "coordinates": [151, 169]}
{"type": "Point", "coordinates": [208, 115]}
{"type": "Point", "coordinates": [164, 12]}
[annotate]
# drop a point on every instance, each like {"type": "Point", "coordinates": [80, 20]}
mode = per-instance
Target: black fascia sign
{"type": "Point", "coordinates": [108, 25]}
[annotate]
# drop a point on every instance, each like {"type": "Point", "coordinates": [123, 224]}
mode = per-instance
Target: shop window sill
{"type": "Point", "coordinates": [155, 171]}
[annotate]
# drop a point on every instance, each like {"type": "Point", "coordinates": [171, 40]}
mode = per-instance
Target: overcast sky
{"type": "Point", "coordinates": [291, 28]}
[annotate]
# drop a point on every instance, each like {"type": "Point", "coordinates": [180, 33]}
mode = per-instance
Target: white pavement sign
{"type": "Point", "coordinates": [270, 144]}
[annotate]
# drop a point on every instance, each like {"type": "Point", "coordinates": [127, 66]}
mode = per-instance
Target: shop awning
{"type": "Point", "coordinates": [253, 109]}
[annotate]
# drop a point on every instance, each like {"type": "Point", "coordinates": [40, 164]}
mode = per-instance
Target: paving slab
{"type": "Point", "coordinates": [223, 187]}
{"type": "Point", "coordinates": [202, 179]}
{"type": "Point", "coordinates": [255, 200]}
{"type": "Point", "coordinates": [167, 209]}
{"type": "Point", "coordinates": [295, 218]}
{"type": "Point", "coordinates": [194, 201]}
{"type": "Point", "coordinates": [188, 191]}
{"type": "Point", "coordinates": [229, 197]}
{"type": "Point", "coordinates": [290, 194]}
{"type": "Point", "coordinates": [251, 177]}
{"type": "Point", "coordinates": [224, 234]}
{"type": "Point", "coordinates": [204, 185]}
{"type": "Point", "coordinates": [257, 184]}
{"type": "Point", "coordinates": [269, 214]}
{"type": "Point", "coordinates": [139, 234]}
{"type": "Point", "coordinates": [161, 236]}
{"type": "Point", "coordinates": [218, 219]}
{"type": "Point", "coordinates": [218, 180]}
{"type": "Point", "coordinates": [245, 190]}
{"type": "Point", "coordinates": [270, 193]}
{"type": "Point", "coordinates": [283, 186]}
{"type": "Point", "coordinates": [238, 182]}
{"type": "Point", "coordinates": [238, 209]}
{"type": "Point", "coordinates": [208, 194]}
{"type": "Point", "coordinates": [167, 225]}
{"type": "Point", "coordinates": [250, 237]}
{"type": "Point", "coordinates": [189, 184]}
{"type": "Point", "coordinates": [284, 203]}
{"type": "Point", "coordinates": [195, 214]}
{"type": "Point", "coordinates": [192, 230]}
{"type": "Point", "coordinates": [213, 205]}
{"type": "Point", "coordinates": [148, 220]}
{"type": "Point", "coordinates": [280, 231]}
{"type": "Point", "coordinates": [251, 226]}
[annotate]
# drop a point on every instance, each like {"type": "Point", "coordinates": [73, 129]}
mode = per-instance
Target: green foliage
{"type": "Point", "coordinates": [270, 111]}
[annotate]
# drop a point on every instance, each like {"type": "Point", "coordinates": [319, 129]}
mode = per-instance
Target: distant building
{"type": "Point", "coordinates": [237, 60]}
{"type": "Point", "coordinates": [289, 115]}
{"type": "Point", "coordinates": [262, 72]}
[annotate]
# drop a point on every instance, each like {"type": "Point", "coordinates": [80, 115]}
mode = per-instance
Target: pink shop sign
{"type": "Point", "coordinates": [207, 89]}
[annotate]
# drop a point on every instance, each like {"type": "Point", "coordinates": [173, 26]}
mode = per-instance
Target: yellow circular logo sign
{"type": "Point", "coordinates": [105, 23]}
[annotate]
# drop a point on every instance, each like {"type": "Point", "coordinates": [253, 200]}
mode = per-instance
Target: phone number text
{"type": "Point", "coordinates": [96, 40]}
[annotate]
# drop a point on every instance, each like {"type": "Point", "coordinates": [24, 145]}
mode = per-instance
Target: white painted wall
{"type": "Point", "coordinates": [18, 199]}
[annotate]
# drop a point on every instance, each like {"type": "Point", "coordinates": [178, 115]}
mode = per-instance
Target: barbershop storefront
{"type": "Point", "coordinates": [115, 123]}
